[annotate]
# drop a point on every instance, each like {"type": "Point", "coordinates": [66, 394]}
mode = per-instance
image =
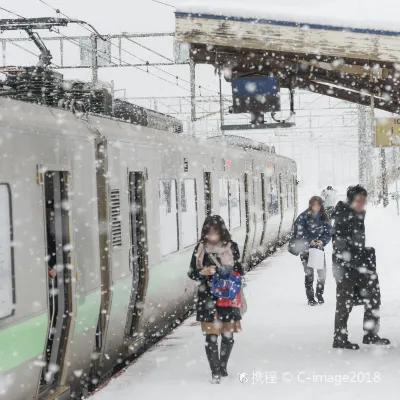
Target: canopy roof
{"type": "Point", "coordinates": [331, 49]}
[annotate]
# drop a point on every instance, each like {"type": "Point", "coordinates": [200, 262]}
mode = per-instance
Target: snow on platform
{"type": "Point", "coordinates": [283, 339]}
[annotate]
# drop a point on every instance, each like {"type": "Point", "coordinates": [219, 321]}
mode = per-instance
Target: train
{"type": "Point", "coordinates": [116, 209]}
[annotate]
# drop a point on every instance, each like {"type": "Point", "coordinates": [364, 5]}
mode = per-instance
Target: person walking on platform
{"type": "Point", "coordinates": [218, 316]}
{"type": "Point", "coordinates": [329, 197]}
{"type": "Point", "coordinates": [312, 226]}
{"type": "Point", "coordinates": [354, 269]}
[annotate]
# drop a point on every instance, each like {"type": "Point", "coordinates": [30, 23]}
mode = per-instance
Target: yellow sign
{"type": "Point", "coordinates": [387, 132]}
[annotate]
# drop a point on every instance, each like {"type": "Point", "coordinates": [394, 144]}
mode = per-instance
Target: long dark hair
{"type": "Point", "coordinates": [321, 204]}
{"type": "Point", "coordinates": [216, 222]}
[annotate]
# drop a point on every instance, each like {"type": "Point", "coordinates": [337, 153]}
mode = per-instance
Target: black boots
{"type": "Point", "coordinates": [375, 339]}
{"type": "Point", "coordinates": [218, 364]}
{"type": "Point", "coordinates": [213, 357]}
{"type": "Point", "coordinates": [344, 344]}
{"type": "Point", "coordinates": [226, 348]}
{"type": "Point", "coordinates": [312, 302]}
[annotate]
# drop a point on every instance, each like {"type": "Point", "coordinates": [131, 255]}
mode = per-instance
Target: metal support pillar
{"type": "Point", "coordinates": [370, 144]}
{"type": "Point", "coordinates": [361, 144]}
{"type": "Point", "coordinates": [95, 67]}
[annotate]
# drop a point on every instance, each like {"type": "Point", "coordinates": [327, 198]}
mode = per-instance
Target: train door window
{"type": "Point", "coordinates": [58, 257]}
{"type": "Point", "coordinates": [208, 193]}
{"type": "Point", "coordinates": [234, 204]}
{"type": "Point", "coordinates": [263, 198]}
{"type": "Point", "coordinates": [287, 195]}
{"type": "Point", "coordinates": [7, 290]}
{"type": "Point", "coordinates": [138, 248]}
{"type": "Point", "coordinates": [189, 212]}
{"type": "Point", "coordinates": [279, 185]}
{"type": "Point", "coordinates": [168, 206]}
{"type": "Point", "coordinates": [273, 198]}
{"type": "Point", "coordinates": [224, 201]}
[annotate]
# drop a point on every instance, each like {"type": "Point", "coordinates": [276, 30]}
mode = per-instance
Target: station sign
{"type": "Point", "coordinates": [387, 132]}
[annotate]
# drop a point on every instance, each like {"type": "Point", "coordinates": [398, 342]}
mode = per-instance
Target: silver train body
{"type": "Point", "coordinates": [124, 206]}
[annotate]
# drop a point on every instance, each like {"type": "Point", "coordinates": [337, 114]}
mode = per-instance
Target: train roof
{"type": "Point", "coordinates": [244, 143]}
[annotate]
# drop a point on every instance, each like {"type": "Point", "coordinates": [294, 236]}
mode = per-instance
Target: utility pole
{"type": "Point", "coordinates": [193, 95]}
{"type": "Point", "coordinates": [221, 103]}
{"type": "Point", "coordinates": [385, 196]}
{"type": "Point", "coordinates": [395, 177]}
{"type": "Point", "coordinates": [95, 67]}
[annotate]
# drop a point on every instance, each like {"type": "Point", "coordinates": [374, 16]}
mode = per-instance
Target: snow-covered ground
{"type": "Point", "coordinates": [285, 347]}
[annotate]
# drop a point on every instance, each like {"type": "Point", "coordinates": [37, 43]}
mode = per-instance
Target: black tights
{"type": "Point", "coordinates": [226, 338]}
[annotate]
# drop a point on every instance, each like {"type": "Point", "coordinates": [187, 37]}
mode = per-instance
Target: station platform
{"type": "Point", "coordinates": [285, 348]}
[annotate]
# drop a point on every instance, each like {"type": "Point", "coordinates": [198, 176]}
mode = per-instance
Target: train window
{"type": "Point", "coordinates": [224, 201]}
{"type": "Point", "coordinates": [189, 212]}
{"type": "Point", "coordinates": [6, 254]}
{"type": "Point", "coordinates": [273, 198]}
{"type": "Point", "coordinates": [287, 195]}
{"type": "Point", "coordinates": [234, 204]}
{"type": "Point", "coordinates": [168, 207]}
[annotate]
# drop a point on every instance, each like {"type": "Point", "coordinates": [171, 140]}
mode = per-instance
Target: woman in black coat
{"type": "Point", "coordinates": [313, 226]}
{"type": "Point", "coordinates": [217, 316]}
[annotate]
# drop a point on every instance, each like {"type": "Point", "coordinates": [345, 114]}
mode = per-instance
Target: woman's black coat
{"type": "Point", "coordinates": [206, 301]}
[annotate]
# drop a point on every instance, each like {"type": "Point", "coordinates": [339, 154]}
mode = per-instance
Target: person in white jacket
{"type": "Point", "coordinates": [329, 197]}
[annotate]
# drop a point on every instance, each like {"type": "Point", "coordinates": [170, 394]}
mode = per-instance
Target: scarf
{"type": "Point", "coordinates": [223, 254]}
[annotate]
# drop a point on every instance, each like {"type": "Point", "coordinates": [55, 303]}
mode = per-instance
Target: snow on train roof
{"type": "Point", "coordinates": [375, 17]}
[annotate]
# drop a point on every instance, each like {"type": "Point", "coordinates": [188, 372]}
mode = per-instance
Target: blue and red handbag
{"type": "Point", "coordinates": [225, 284]}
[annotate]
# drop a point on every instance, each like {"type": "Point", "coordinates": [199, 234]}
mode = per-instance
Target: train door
{"type": "Point", "coordinates": [138, 249]}
{"type": "Point", "coordinates": [264, 207]}
{"type": "Point", "coordinates": [208, 193]}
{"type": "Point", "coordinates": [247, 213]}
{"type": "Point", "coordinates": [58, 258]}
{"type": "Point", "coordinates": [281, 202]}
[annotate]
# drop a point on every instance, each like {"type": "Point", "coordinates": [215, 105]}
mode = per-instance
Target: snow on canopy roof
{"type": "Point", "coordinates": [379, 17]}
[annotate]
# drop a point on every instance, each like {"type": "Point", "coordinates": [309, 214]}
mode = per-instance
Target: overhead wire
{"type": "Point", "coordinates": [11, 12]}
{"type": "Point", "coordinates": [131, 54]}
{"type": "Point", "coordinates": [125, 62]}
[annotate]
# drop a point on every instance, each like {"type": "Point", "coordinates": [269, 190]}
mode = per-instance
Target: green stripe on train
{"type": "Point", "coordinates": [22, 342]}
{"type": "Point", "coordinates": [88, 312]}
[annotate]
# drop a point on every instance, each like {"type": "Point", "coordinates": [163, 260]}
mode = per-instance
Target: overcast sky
{"type": "Point", "coordinates": [114, 16]}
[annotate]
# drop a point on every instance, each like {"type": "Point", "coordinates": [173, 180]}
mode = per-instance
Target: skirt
{"type": "Point", "coordinates": [218, 327]}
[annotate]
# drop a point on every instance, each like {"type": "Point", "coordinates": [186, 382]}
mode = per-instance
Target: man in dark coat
{"type": "Point", "coordinates": [354, 270]}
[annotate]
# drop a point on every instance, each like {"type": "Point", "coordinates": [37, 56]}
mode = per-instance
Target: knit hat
{"type": "Point", "coordinates": [353, 191]}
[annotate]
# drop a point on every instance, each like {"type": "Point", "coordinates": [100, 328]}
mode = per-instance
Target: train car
{"type": "Point", "coordinates": [117, 209]}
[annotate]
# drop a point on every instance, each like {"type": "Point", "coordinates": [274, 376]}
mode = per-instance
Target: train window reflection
{"type": "Point", "coordinates": [6, 259]}
{"type": "Point", "coordinates": [224, 201]}
{"type": "Point", "coordinates": [234, 204]}
{"type": "Point", "coordinates": [168, 208]}
{"type": "Point", "coordinates": [189, 212]}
